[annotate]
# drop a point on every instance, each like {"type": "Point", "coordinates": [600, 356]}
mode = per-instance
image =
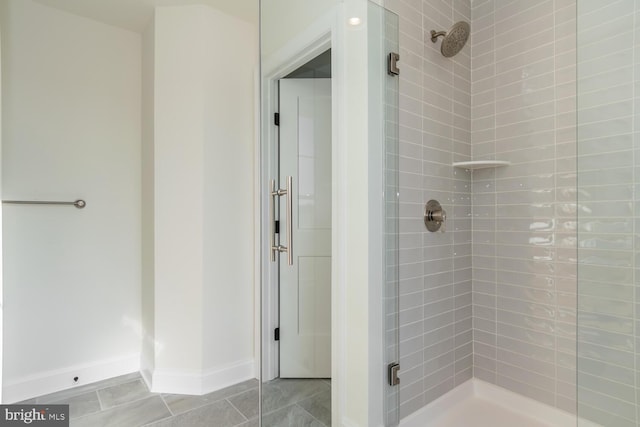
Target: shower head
{"type": "Point", "coordinates": [453, 40]}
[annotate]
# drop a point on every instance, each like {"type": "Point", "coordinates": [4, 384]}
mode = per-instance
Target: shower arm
{"type": "Point", "coordinates": [435, 34]}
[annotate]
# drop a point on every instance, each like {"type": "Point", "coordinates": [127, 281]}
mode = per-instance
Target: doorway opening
{"type": "Point", "coordinates": [300, 226]}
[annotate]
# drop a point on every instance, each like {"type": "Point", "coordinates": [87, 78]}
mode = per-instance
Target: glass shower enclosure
{"type": "Point", "coordinates": [608, 144]}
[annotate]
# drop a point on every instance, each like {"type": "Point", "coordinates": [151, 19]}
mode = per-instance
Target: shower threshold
{"type": "Point", "coordinates": [480, 404]}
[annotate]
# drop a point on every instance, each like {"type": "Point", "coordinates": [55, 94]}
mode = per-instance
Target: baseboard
{"type": "Point", "coordinates": [195, 384]}
{"type": "Point", "coordinates": [62, 379]}
{"type": "Point", "coordinates": [146, 369]}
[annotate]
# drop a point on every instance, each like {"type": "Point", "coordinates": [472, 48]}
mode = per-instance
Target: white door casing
{"type": "Point", "coordinates": [305, 286]}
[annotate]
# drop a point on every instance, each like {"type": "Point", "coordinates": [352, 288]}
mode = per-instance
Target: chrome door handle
{"type": "Point", "coordinates": [272, 220]}
{"type": "Point", "coordinates": [273, 194]}
{"type": "Point", "coordinates": [289, 247]}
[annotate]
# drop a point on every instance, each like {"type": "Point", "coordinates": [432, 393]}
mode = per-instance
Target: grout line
{"type": "Point", "coordinates": [238, 410]}
{"type": "Point", "coordinates": [312, 416]}
{"type": "Point", "coordinates": [102, 408]}
{"type": "Point", "coordinates": [166, 404]}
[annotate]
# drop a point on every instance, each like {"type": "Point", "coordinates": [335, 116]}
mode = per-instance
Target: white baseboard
{"type": "Point", "coordinates": [195, 384]}
{"type": "Point", "coordinates": [62, 379]}
{"type": "Point", "coordinates": [146, 369]}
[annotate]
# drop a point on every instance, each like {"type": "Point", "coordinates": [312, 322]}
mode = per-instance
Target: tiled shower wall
{"type": "Point", "coordinates": [435, 272]}
{"type": "Point", "coordinates": [524, 229]}
{"type": "Point", "coordinates": [509, 95]}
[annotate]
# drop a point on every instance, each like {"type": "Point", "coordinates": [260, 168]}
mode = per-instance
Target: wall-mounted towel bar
{"type": "Point", "coordinates": [80, 204]}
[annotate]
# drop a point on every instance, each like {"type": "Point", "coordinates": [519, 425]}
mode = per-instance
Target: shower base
{"type": "Point", "coordinates": [480, 404]}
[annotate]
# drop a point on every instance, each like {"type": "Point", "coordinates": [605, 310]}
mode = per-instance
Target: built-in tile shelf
{"type": "Point", "coordinates": [481, 164]}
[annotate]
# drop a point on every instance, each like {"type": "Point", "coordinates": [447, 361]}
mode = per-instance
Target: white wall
{"type": "Point", "coordinates": [284, 20]}
{"type": "Point", "coordinates": [179, 181]}
{"type": "Point", "coordinates": [229, 227]}
{"type": "Point", "coordinates": [203, 199]}
{"type": "Point", "coordinates": [71, 116]}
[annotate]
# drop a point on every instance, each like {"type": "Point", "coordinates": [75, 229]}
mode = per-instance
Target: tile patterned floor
{"type": "Point", "coordinates": [126, 402]}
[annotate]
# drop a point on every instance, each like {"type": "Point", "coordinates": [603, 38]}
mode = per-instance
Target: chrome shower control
{"type": "Point", "coordinates": [434, 215]}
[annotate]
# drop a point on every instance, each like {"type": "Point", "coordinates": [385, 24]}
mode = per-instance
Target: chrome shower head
{"type": "Point", "coordinates": [453, 40]}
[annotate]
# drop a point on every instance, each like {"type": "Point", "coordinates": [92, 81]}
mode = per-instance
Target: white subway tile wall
{"type": "Point", "coordinates": [608, 337]}
{"type": "Point", "coordinates": [524, 228]}
{"type": "Point", "coordinates": [435, 268]}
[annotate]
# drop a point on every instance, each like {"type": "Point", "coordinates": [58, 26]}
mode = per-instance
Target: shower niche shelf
{"type": "Point", "coordinates": [481, 164]}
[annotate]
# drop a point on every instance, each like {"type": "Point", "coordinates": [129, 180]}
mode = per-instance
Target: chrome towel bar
{"type": "Point", "coordinates": [80, 204]}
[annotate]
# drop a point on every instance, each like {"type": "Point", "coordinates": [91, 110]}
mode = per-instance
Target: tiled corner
{"type": "Point", "coordinates": [523, 102]}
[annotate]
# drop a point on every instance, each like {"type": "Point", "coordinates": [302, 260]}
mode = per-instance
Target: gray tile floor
{"type": "Point", "coordinates": [126, 402]}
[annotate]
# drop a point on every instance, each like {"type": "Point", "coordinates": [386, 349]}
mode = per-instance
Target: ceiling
{"type": "Point", "coordinates": [134, 15]}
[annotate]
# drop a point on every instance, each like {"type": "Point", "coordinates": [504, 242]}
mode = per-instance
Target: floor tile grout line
{"type": "Point", "coordinates": [118, 407]}
{"type": "Point", "coordinates": [166, 404]}
{"type": "Point", "coordinates": [312, 416]}
{"type": "Point", "coordinates": [170, 414]}
{"type": "Point", "coordinates": [121, 384]}
{"type": "Point", "coordinates": [238, 410]}
{"type": "Point", "coordinates": [310, 396]}
{"type": "Point", "coordinates": [264, 414]}
{"type": "Point", "coordinates": [207, 402]}
{"type": "Point", "coordinates": [102, 408]}
{"type": "Point", "coordinates": [76, 391]}
{"type": "Point", "coordinates": [233, 395]}
{"type": "Point", "coordinates": [152, 423]}
{"type": "Point", "coordinates": [150, 395]}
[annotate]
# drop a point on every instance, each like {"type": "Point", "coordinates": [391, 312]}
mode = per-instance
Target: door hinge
{"type": "Point", "coordinates": [276, 334]}
{"type": "Point", "coordinates": [276, 227]}
{"type": "Point", "coordinates": [276, 119]}
{"type": "Point", "coordinates": [392, 374]}
{"type": "Point", "coordinates": [392, 64]}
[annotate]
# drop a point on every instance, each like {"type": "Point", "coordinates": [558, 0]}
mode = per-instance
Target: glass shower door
{"type": "Point", "coordinates": [607, 212]}
{"type": "Point", "coordinates": [383, 45]}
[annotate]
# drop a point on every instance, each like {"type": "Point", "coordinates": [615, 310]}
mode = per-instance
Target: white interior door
{"type": "Point", "coordinates": [305, 286]}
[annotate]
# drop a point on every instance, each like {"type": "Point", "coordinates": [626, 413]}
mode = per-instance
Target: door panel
{"type": "Point", "coordinates": [305, 287]}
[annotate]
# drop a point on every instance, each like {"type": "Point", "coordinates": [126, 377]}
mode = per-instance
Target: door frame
{"type": "Point", "coordinates": [307, 46]}
{"type": "Point", "coordinates": [356, 343]}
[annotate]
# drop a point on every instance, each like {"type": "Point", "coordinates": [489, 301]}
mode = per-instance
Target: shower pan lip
{"type": "Point", "coordinates": [473, 392]}
{"type": "Point", "coordinates": [453, 40]}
